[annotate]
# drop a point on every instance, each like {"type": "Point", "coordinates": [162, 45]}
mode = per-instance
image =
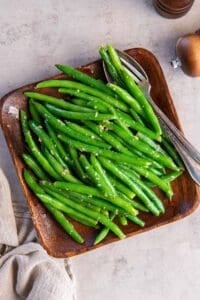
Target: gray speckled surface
{"type": "Point", "coordinates": [34, 35]}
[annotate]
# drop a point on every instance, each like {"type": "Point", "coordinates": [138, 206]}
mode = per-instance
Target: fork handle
{"type": "Point", "coordinates": [188, 153]}
{"type": "Point", "coordinates": [191, 165]}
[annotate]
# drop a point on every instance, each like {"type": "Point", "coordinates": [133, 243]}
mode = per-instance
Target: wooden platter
{"type": "Point", "coordinates": [52, 237]}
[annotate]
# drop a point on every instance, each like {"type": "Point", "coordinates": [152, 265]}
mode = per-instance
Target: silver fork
{"type": "Point", "coordinates": [188, 153]}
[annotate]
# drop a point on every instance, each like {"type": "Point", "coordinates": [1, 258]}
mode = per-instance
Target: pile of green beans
{"type": "Point", "coordinates": [95, 157]}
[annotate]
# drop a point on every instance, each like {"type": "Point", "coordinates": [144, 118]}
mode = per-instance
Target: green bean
{"type": "Point", "coordinates": [103, 185]}
{"type": "Point", "coordinates": [91, 191]}
{"type": "Point", "coordinates": [128, 167]}
{"type": "Point", "coordinates": [78, 101]}
{"type": "Point", "coordinates": [103, 233]}
{"type": "Point", "coordinates": [135, 142]}
{"type": "Point", "coordinates": [115, 143]}
{"type": "Point", "coordinates": [123, 220]}
{"type": "Point", "coordinates": [79, 115]}
{"type": "Point", "coordinates": [128, 121]}
{"type": "Point", "coordinates": [34, 114]}
{"type": "Point", "coordinates": [59, 217]}
{"type": "Point", "coordinates": [47, 186]}
{"type": "Point", "coordinates": [31, 182]}
{"type": "Point", "coordinates": [132, 185]}
{"type": "Point", "coordinates": [134, 89]}
{"type": "Point", "coordinates": [114, 58]}
{"type": "Point", "coordinates": [57, 124]}
{"type": "Point", "coordinates": [34, 148]}
{"type": "Point", "coordinates": [120, 187]}
{"type": "Point", "coordinates": [64, 172]}
{"type": "Point", "coordinates": [77, 196]}
{"type": "Point", "coordinates": [77, 216]}
{"type": "Point", "coordinates": [57, 102]}
{"type": "Point", "coordinates": [93, 200]}
{"type": "Point", "coordinates": [43, 136]}
{"type": "Point", "coordinates": [155, 179]}
{"type": "Point", "coordinates": [108, 187]}
{"type": "Point", "coordinates": [172, 152]}
{"type": "Point", "coordinates": [172, 176]}
{"type": "Point", "coordinates": [159, 172]}
{"type": "Point", "coordinates": [147, 191]}
{"type": "Point", "coordinates": [77, 166]}
{"type": "Point", "coordinates": [68, 210]}
{"type": "Point", "coordinates": [109, 66]}
{"type": "Point", "coordinates": [85, 138]}
{"type": "Point", "coordinates": [30, 162]}
{"type": "Point", "coordinates": [136, 220]}
{"type": "Point", "coordinates": [83, 130]}
{"type": "Point", "coordinates": [92, 174]}
{"type": "Point", "coordinates": [82, 88]}
{"type": "Point", "coordinates": [136, 92]}
{"type": "Point", "coordinates": [150, 142]}
{"type": "Point", "coordinates": [57, 143]}
{"type": "Point", "coordinates": [73, 214]}
{"type": "Point", "coordinates": [126, 97]}
{"type": "Point", "coordinates": [167, 177]}
{"type": "Point", "coordinates": [139, 206]}
{"type": "Point", "coordinates": [95, 215]}
{"type": "Point", "coordinates": [95, 104]}
{"type": "Point", "coordinates": [89, 100]}
{"type": "Point", "coordinates": [154, 163]}
{"type": "Point", "coordinates": [92, 101]}
{"type": "Point", "coordinates": [84, 78]}
{"type": "Point", "coordinates": [65, 224]}
{"type": "Point", "coordinates": [136, 117]}
{"type": "Point", "coordinates": [106, 153]}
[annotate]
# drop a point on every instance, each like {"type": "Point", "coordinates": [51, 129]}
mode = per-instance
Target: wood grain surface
{"type": "Point", "coordinates": [57, 243]}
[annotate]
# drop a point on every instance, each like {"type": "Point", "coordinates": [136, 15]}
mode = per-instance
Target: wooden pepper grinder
{"type": "Point", "coordinates": [172, 8]}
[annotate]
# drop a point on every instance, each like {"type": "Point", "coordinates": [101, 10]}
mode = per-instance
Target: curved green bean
{"type": "Point", "coordinates": [57, 102]}
{"type": "Point", "coordinates": [136, 92]}
{"type": "Point", "coordinates": [158, 203]}
{"type": "Point", "coordinates": [134, 187]}
{"type": "Point", "coordinates": [64, 172]}
{"type": "Point", "coordinates": [60, 149]}
{"type": "Point", "coordinates": [30, 162]}
{"type": "Point", "coordinates": [106, 153]}
{"type": "Point", "coordinates": [91, 191]}
{"type": "Point", "coordinates": [109, 66]}
{"type": "Point", "coordinates": [94, 115]}
{"type": "Point", "coordinates": [83, 88]}
{"type": "Point", "coordinates": [129, 122]}
{"type": "Point", "coordinates": [108, 187]}
{"type": "Point", "coordinates": [59, 217]}
{"type": "Point", "coordinates": [126, 97]}
{"type": "Point", "coordinates": [34, 148]}
{"type": "Point", "coordinates": [164, 186]}
{"type": "Point", "coordinates": [33, 111]}
{"type": "Point", "coordinates": [46, 140]}
{"type": "Point", "coordinates": [84, 78]}
{"type": "Point", "coordinates": [115, 143]}
{"type": "Point", "coordinates": [104, 232]}
{"type": "Point", "coordinates": [95, 215]}
{"type": "Point", "coordinates": [77, 166]}
{"type": "Point", "coordinates": [145, 148]}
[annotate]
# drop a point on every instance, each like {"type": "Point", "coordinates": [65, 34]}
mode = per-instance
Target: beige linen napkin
{"type": "Point", "coordinates": [8, 229]}
{"type": "Point", "coordinates": [27, 271]}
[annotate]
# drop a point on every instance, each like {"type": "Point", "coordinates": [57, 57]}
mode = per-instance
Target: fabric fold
{"type": "Point", "coordinates": [28, 272]}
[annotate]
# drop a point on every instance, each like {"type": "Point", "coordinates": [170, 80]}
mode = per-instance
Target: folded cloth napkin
{"type": "Point", "coordinates": [27, 271]}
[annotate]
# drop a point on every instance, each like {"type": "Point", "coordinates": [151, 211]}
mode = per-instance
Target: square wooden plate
{"type": "Point", "coordinates": [52, 237]}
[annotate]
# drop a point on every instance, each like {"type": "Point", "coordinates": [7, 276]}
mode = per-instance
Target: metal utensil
{"type": "Point", "coordinates": [188, 153]}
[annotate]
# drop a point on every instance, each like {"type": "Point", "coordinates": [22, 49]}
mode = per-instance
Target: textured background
{"type": "Point", "coordinates": [34, 35]}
